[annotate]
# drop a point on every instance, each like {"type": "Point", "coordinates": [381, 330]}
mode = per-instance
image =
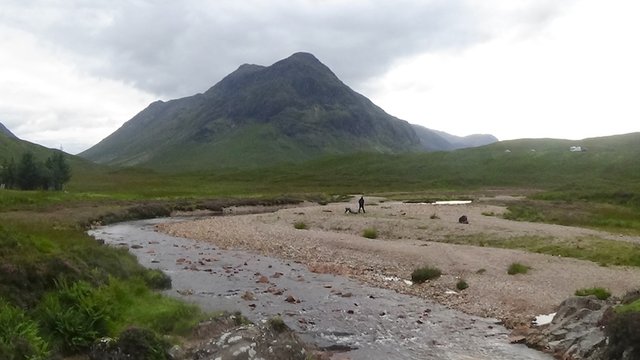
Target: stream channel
{"type": "Point", "coordinates": [333, 312]}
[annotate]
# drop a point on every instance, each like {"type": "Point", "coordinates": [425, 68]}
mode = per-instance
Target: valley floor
{"type": "Point", "coordinates": [415, 235]}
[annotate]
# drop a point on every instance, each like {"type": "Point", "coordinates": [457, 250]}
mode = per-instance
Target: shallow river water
{"type": "Point", "coordinates": [331, 311]}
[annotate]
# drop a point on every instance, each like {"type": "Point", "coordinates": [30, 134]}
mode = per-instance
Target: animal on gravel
{"type": "Point", "coordinates": [348, 210]}
{"type": "Point", "coordinates": [463, 219]}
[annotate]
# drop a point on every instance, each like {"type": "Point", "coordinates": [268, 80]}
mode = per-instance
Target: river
{"type": "Point", "coordinates": [331, 311]}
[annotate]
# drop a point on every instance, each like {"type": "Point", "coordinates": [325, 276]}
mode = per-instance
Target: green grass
{"type": "Point", "coordinates": [300, 225]}
{"type": "Point", "coordinates": [19, 335]}
{"type": "Point", "coordinates": [517, 268]}
{"type": "Point", "coordinates": [601, 251]}
{"type": "Point", "coordinates": [370, 233]}
{"type": "Point", "coordinates": [76, 289]}
{"type": "Point", "coordinates": [425, 273]}
{"type": "Point", "coordinates": [600, 293]}
{"type": "Point", "coordinates": [633, 307]}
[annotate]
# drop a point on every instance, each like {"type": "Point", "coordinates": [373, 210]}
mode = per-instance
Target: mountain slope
{"type": "Point", "coordinates": [291, 111]}
{"type": "Point", "coordinates": [5, 131]}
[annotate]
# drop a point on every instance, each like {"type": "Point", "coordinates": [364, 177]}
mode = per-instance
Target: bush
{"type": "Point", "coordinates": [370, 233]}
{"type": "Point", "coordinates": [517, 268]}
{"type": "Point", "coordinates": [300, 225]}
{"type": "Point", "coordinates": [137, 343]}
{"type": "Point", "coordinates": [600, 293]}
{"type": "Point", "coordinates": [277, 324]}
{"type": "Point", "coordinates": [623, 332]}
{"type": "Point", "coordinates": [156, 279]}
{"type": "Point", "coordinates": [19, 335]}
{"type": "Point", "coordinates": [425, 273]}
{"type": "Point", "coordinates": [461, 285]}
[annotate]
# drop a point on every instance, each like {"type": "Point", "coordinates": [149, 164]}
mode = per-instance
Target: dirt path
{"type": "Point", "coordinates": [408, 236]}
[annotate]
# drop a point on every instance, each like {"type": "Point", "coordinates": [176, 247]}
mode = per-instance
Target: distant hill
{"type": "Point", "coordinates": [609, 164]}
{"type": "Point", "coordinates": [292, 111]}
{"type": "Point", "coordinates": [434, 140]}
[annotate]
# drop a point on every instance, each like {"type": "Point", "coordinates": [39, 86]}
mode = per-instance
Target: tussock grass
{"type": "Point", "coordinates": [300, 225]}
{"type": "Point", "coordinates": [425, 273]}
{"type": "Point", "coordinates": [462, 284]}
{"type": "Point", "coordinates": [517, 268]}
{"type": "Point", "coordinates": [370, 233]}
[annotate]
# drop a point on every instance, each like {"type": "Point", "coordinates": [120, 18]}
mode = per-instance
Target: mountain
{"type": "Point", "coordinates": [291, 111]}
{"type": "Point", "coordinates": [434, 140]}
{"type": "Point", "coordinates": [5, 131]}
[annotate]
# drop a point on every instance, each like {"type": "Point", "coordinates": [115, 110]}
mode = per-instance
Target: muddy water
{"type": "Point", "coordinates": [331, 311]}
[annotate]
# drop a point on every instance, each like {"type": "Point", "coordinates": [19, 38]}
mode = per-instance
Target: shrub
{"type": "Point", "coordinates": [370, 233]}
{"type": "Point", "coordinates": [517, 268]}
{"type": "Point", "coordinates": [462, 284]}
{"type": "Point", "coordinates": [19, 335]}
{"type": "Point", "coordinates": [300, 225]}
{"type": "Point", "coordinates": [600, 293]}
{"type": "Point", "coordinates": [423, 274]}
{"type": "Point", "coordinates": [623, 332]}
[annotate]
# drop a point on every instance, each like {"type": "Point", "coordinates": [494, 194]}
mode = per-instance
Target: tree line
{"type": "Point", "coordinates": [31, 174]}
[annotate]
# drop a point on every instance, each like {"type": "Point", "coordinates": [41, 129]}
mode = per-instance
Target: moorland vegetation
{"type": "Point", "coordinates": [61, 290]}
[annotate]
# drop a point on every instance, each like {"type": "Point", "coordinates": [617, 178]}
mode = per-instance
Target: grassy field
{"type": "Point", "coordinates": [49, 263]}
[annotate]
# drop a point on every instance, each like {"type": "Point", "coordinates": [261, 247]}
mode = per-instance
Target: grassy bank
{"type": "Point", "coordinates": [60, 290]}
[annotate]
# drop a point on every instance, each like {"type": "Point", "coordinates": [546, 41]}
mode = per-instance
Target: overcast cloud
{"type": "Point", "coordinates": [74, 71]}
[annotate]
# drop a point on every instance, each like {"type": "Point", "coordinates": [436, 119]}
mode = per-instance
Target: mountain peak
{"type": "Point", "coordinates": [302, 56]}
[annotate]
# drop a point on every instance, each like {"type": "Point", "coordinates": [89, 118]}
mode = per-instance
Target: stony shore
{"type": "Point", "coordinates": [410, 236]}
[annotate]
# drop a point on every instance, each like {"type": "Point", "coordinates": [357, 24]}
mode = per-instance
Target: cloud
{"type": "Point", "coordinates": [88, 66]}
{"type": "Point", "coordinates": [179, 48]}
{"type": "Point", "coordinates": [573, 78]}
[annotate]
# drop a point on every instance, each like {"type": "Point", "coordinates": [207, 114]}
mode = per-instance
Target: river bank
{"type": "Point", "coordinates": [410, 236]}
{"type": "Point", "coordinates": [333, 312]}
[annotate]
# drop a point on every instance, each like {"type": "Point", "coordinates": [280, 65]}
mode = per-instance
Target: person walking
{"type": "Point", "coordinates": [361, 205]}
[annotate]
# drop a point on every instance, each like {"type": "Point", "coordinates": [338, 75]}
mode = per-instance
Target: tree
{"type": "Point", "coordinates": [59, 172]}
{"type": "Point", "coordinates": [8, 174]}
{"type": "Point", "coordinates": [28, 175]}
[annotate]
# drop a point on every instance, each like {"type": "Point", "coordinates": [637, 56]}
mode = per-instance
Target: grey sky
{"type": "Point", "coordinates": [74, 71]}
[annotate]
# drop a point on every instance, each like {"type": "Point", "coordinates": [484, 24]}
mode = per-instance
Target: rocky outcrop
{"type": "Point", "coordinates": [576, 331]}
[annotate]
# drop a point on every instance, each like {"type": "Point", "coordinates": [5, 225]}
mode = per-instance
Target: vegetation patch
{"type": "Point", "coordinates": [300, 225]}
{"type": "Point", "coordinates": [623, 334]}
{"type": "Point", "coordinates": [611, 212]}
{"type": "Point", "coordinates": [461, 284]}
{"type": "Point", "coordinates": [600, 293]}
{"type": "Point", "coordinates": [370, 233]}
{"type": "Point", "coordinates": [425, 273]}
{"type": "Point", "coordinates": [20, 337]}
{"type": "Point", "coordinates": [600, 251]}
{"type": "Point", "coordinates": [517, 268]}
{"type": "Point", "coordinates": [277, 324]}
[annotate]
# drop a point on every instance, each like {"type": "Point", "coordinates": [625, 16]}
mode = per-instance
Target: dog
{"type": "Point", "coordinates": [348, 210]}
{"type": "Point", "coordinates": [463, 219]}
